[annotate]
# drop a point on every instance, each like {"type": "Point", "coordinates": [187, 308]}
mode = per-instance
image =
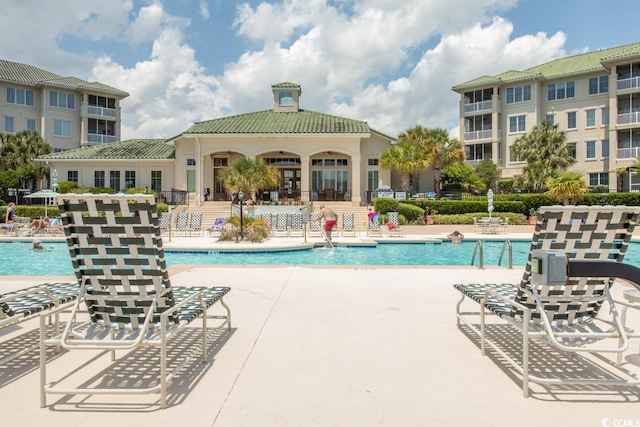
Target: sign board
{"type": "Point", "coordinates": [385, 194]}
{"type": "Point", "coordinates": [401, 195]}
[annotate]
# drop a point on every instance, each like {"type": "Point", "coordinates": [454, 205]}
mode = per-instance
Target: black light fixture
{"type": "Point", "coordinates": [241, 202]}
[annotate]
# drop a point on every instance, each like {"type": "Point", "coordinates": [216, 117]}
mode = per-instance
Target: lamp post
{"type": "Point", "coordinates": [241, 202]}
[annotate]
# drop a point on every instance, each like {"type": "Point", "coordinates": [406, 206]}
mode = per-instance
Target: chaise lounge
{"type": "Point", "coordinates": [559, 315]}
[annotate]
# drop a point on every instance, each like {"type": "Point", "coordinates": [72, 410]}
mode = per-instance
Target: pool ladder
{"type": "Point", "coordinates": [479, 250]}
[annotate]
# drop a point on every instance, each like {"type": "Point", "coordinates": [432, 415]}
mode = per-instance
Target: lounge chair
{"type": "Point", "coordinates": [217, 228]}
{"type": "Point", "coordinates": [348, 225]}
{"type": "Point", "coordinates": [29, 303]}
{"type": "Point", "coordinates": [195, 226]}
{"type": "Point", "coordinates": [281, 225]}
{"type": "Point", "coordinates": [314, 225]}
{"type": "Point", "coordinates": [394, 225]}
{"type": "Point", "coordinates": [268, 219]}
{"type": "Point", "coordinates": [182, 222]}
{"type": "Point", "coordinates": [561, 317]}
{"type": "Point", "coordinates": [165, 222]}
{"type": "Point", "coordinates": [373, 227]}
{"type": "Point", "coordinates": [117, 255]}
{"type": "Point", "coordinates": [297, 226]}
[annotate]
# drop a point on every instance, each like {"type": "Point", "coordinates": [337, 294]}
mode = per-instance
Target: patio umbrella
{"type": "Point", "coordinates": [43, 194]}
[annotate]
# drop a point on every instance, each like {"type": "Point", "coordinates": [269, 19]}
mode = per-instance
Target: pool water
{"type": "Point", "coordinates": [20, 260]}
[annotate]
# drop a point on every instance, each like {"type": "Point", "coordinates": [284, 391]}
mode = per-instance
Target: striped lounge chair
{"type": "Point", "coordinates": [394, 225]}
{"type": "Point", "coordinates": [561, 316]}
{"type": "Point", "coordinates": [118, 259]}
{"type": "Point", "coordinates": [314, 225]}
{"type": "Point", "coordinates": [281, 225]}
{"type": "Point", "coordinates": [182, 223]}
{"type": "Point", "coordinates": [348, 225]}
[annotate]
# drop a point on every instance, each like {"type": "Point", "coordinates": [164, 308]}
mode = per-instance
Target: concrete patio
{"type": "Point", "coordinates": [318, 346]}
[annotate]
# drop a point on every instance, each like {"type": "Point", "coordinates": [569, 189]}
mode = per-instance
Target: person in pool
{"type": "Point", "coordinates": [456, 237]}
{"type": "Point", "coordinates": [37, 245]}
{"type": "Point", "coordinates": [330, 220]}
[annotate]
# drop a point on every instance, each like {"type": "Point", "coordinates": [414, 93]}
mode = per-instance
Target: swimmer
{"type": "Point", "coordinates": [456, 237]}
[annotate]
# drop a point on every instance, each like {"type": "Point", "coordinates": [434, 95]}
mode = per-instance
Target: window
{"type": "Point", "coordinates": [591, 117]}
{"type": "Point", "coordinates": [285, 99]}
{"type": "Point", "coordinates": [572, 149]}
{"type": "Point", "coordinates": [605, 149]}
{"type": "Point", "coordinates": [129, 179]}
{"type": "Point", "coordinates": [62, 100]}
{"type": "Point", "coordinates": [72, 176]}
{"type": "Point", "coordinates": [8, 124]}
{"type": "Point", "coordinates": [518, 94]}
{"type": "Point", "coordinates": [561, 91]}
{"type": "Point", "coordinates": [62, 128]}
{"type": "Point", "coordinates": [114, 180]}
{"type": "Point", "coordinates": [372, 162]}
{"type": "Point", "coordinates": [31, 125]}
{"type": "Point", "coordinates": [591, 149]}
{"type": "Point", "coordinates": [191, 162]}
{"type": "Point", "coordinates": [598, 85]}
{"type": "Point", "coordinates": [571, 120]}
{"type": "Point", "coordinates": [156, 180]}
{"type": "Point", "coordinates": [20, 96]}
{"type": "Point", "coordinates": [599, 178]}
{"type": "Point", "coordinates": [98, 179]}
{"type": "Point", "coordinates": [551, 118]}
{"type": "Point", "coordinates": [517, 124]}
{"type": "Point", "coordinates": [605, 116]}
{"type": "Point", "coordinates": [372, 179]}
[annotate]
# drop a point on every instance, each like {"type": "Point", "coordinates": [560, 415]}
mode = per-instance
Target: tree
{"type": "Point", "coordinates": [464, 175]}
{"type": "Point", "coordinates": [546, 147]}
{"type": "Point", "coordinates": [534, 177]}
{"type": "Point", "coordinates": [407, 156]}
{"type": "Point", "coordinates": [488, 173]}
{"type": "Point", "coordinates": [442, 151]}
{"type": "Point", "coordinates": [18, 152]}
{"type": "Point", "coordinates": [567, 187]}
{"type": "Point", "coordinates": [249, 175]}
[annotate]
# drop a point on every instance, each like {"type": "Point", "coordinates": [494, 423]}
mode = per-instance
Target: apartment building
{"type": "Point", "coordinates": [594, 97]}
{"type": "Point", "coordinates": [67, 112]}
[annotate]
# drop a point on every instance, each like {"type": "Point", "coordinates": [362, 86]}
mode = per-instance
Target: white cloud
{"type": "Point", "coordinates": [204, 9]}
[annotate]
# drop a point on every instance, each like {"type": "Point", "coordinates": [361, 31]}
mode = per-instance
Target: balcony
{"type": "Point", "coordinates": [95, 110]}
{"type": "Point", "coordinates": [96, 138]}
{"type": "Point", "coordinates": [478, 135]}
{"type": "Point", "coordinates": [477, 107]}
{"type": "Point", "coordinates": [628, 84]}
{"type": "Point", "coordinates": [628, 118]}
{"type": "Point", "coordinates": [627, 153]}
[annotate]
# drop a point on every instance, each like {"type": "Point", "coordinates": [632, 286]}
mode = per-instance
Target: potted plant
{"type": "Point", "coordinates": [533, 216]}
{"type": "Point", "coordinates": [429, 218]}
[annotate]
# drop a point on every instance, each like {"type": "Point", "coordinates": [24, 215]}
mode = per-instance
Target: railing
{"type": "Point", "coordinates": [94, 110]}
{"type": "Point", "coordinates": [506, 244]}
{"type": "Point", "coordinates": [478, 106]}
{"type": "Point", "coordinates": [627, 153]}
{"type": "Point", "coordinates": [478, 134]}
{"type": "Point", "coordinates": [628, 118]}
{"type": "Point", "coordinates": [628, 84]}
{"type": "Point", "coordinates": [97, 138]}
{"type": "Point", "coordinates": [477, 247]}
{"type": "Point", "coordinates": [173, 197]}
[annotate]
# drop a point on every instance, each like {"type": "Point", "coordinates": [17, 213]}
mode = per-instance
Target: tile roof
{"type": "Point", "coordinates": [132, 149]}
{"type": "Point", "coordinates": [30, 75]}
{"type": "Point", "coordinates": [567, 66]}
{"type": "Point", "coordinates": [270, 122]}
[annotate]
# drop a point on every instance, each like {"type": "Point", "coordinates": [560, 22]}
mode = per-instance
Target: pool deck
{"type": "Point", "coordinates": [325, 346]}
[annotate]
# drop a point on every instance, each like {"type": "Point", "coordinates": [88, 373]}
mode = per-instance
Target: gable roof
{"type": "Point", "coordinates": [270, 122]}
{"type": "Point", "coordinates": [131, 149]}
{"type": "Point", "coordinates": [34, 76]}
{"type": "Point", "coordinates": [567, 66]}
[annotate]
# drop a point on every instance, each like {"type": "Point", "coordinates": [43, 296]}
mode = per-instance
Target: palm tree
{"type": "Point", "coordinates": [442, 151]}
{"type": "Point", "coordinates": [567, 187]}
{"type": "Point", "coordinates": [406, 156]}
{"type": "Point", "coordinates": [18, 153]}
{"type": "Point", "coordinates": [546, 145]}
{"type": "Point", "coordinates": [250, 176]}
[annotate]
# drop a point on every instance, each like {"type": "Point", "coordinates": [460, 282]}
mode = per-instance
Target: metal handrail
{"type": "Point", "coordinates": [506, 243]}
{"type": "Point", "coordinates": [473, 257]}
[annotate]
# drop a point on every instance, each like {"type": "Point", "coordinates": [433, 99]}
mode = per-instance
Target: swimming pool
{"type": "Point", "coordinates": [20, 260]}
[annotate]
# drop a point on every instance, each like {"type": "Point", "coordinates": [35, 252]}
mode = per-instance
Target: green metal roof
{"type": "Point", "coordinates": [270, 122]}
{"type": "Point", "coordinates": [34, 76]}
{"type": "Point", "coordinates": [131, 149]}
{"type": "Point", "coordinates": [567, 66]}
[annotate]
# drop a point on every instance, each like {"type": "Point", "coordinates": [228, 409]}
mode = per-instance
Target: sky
{"type": "Point", "coordinates": [391, 63]}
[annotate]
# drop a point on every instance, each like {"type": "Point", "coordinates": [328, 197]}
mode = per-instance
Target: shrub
{"type": "Point", "coordinates": [67, 187]}
{"type": "Point", "coordinates": [384, 205]}
{"type": "Point", "coordinates": [411, 213]}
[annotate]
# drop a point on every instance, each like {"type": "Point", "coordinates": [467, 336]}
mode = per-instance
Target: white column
{"type": "Point", "coordinates": [356, 179]}
{"type": "Point", "coordinates": [199, 173]}
{"type": "Point", "coordinates": [305, 175]}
